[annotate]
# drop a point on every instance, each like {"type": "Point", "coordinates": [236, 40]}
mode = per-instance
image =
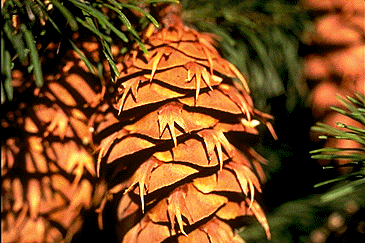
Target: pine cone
{"type": "Point", "coordinates": [164, 150]}
{"type": "Point", "coordinates": [49, 176]}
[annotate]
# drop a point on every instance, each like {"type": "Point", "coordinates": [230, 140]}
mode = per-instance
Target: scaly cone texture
{"type": "Point", "coordinates": [165, 148]}
{"type": "Point", "coordinates": [48, 173]}
{"type": "Point", "coordinates": [335, 64]}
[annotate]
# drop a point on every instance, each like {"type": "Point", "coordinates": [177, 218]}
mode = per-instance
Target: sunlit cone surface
{"type": "Point", "coordinates": [48, 173]}
{"type": "Point", "coordinates": [164, 151]}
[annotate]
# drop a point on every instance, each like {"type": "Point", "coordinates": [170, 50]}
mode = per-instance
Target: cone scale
{"type": "Point", "coordinates": [177, 175]}
{"type": "Point", "coordinates": [48, 171]}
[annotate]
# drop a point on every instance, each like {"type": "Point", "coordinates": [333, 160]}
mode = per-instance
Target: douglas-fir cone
{"type": "Point", "coordinates": [173, 172]}
{"type": "Point", "coordinates": [48, 171]}
{"type": "Point", "coordinates": [158, 138]}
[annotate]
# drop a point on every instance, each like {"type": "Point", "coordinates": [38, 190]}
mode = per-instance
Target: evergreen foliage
{"type": "Point", "coordinates": [262, 39]}
{"type": "Point", "coordinates": [28, 27]}
{"type": "Point", "coordinates": [306, 220]}
{"type": "Point", "coordinates": [355, 157]}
